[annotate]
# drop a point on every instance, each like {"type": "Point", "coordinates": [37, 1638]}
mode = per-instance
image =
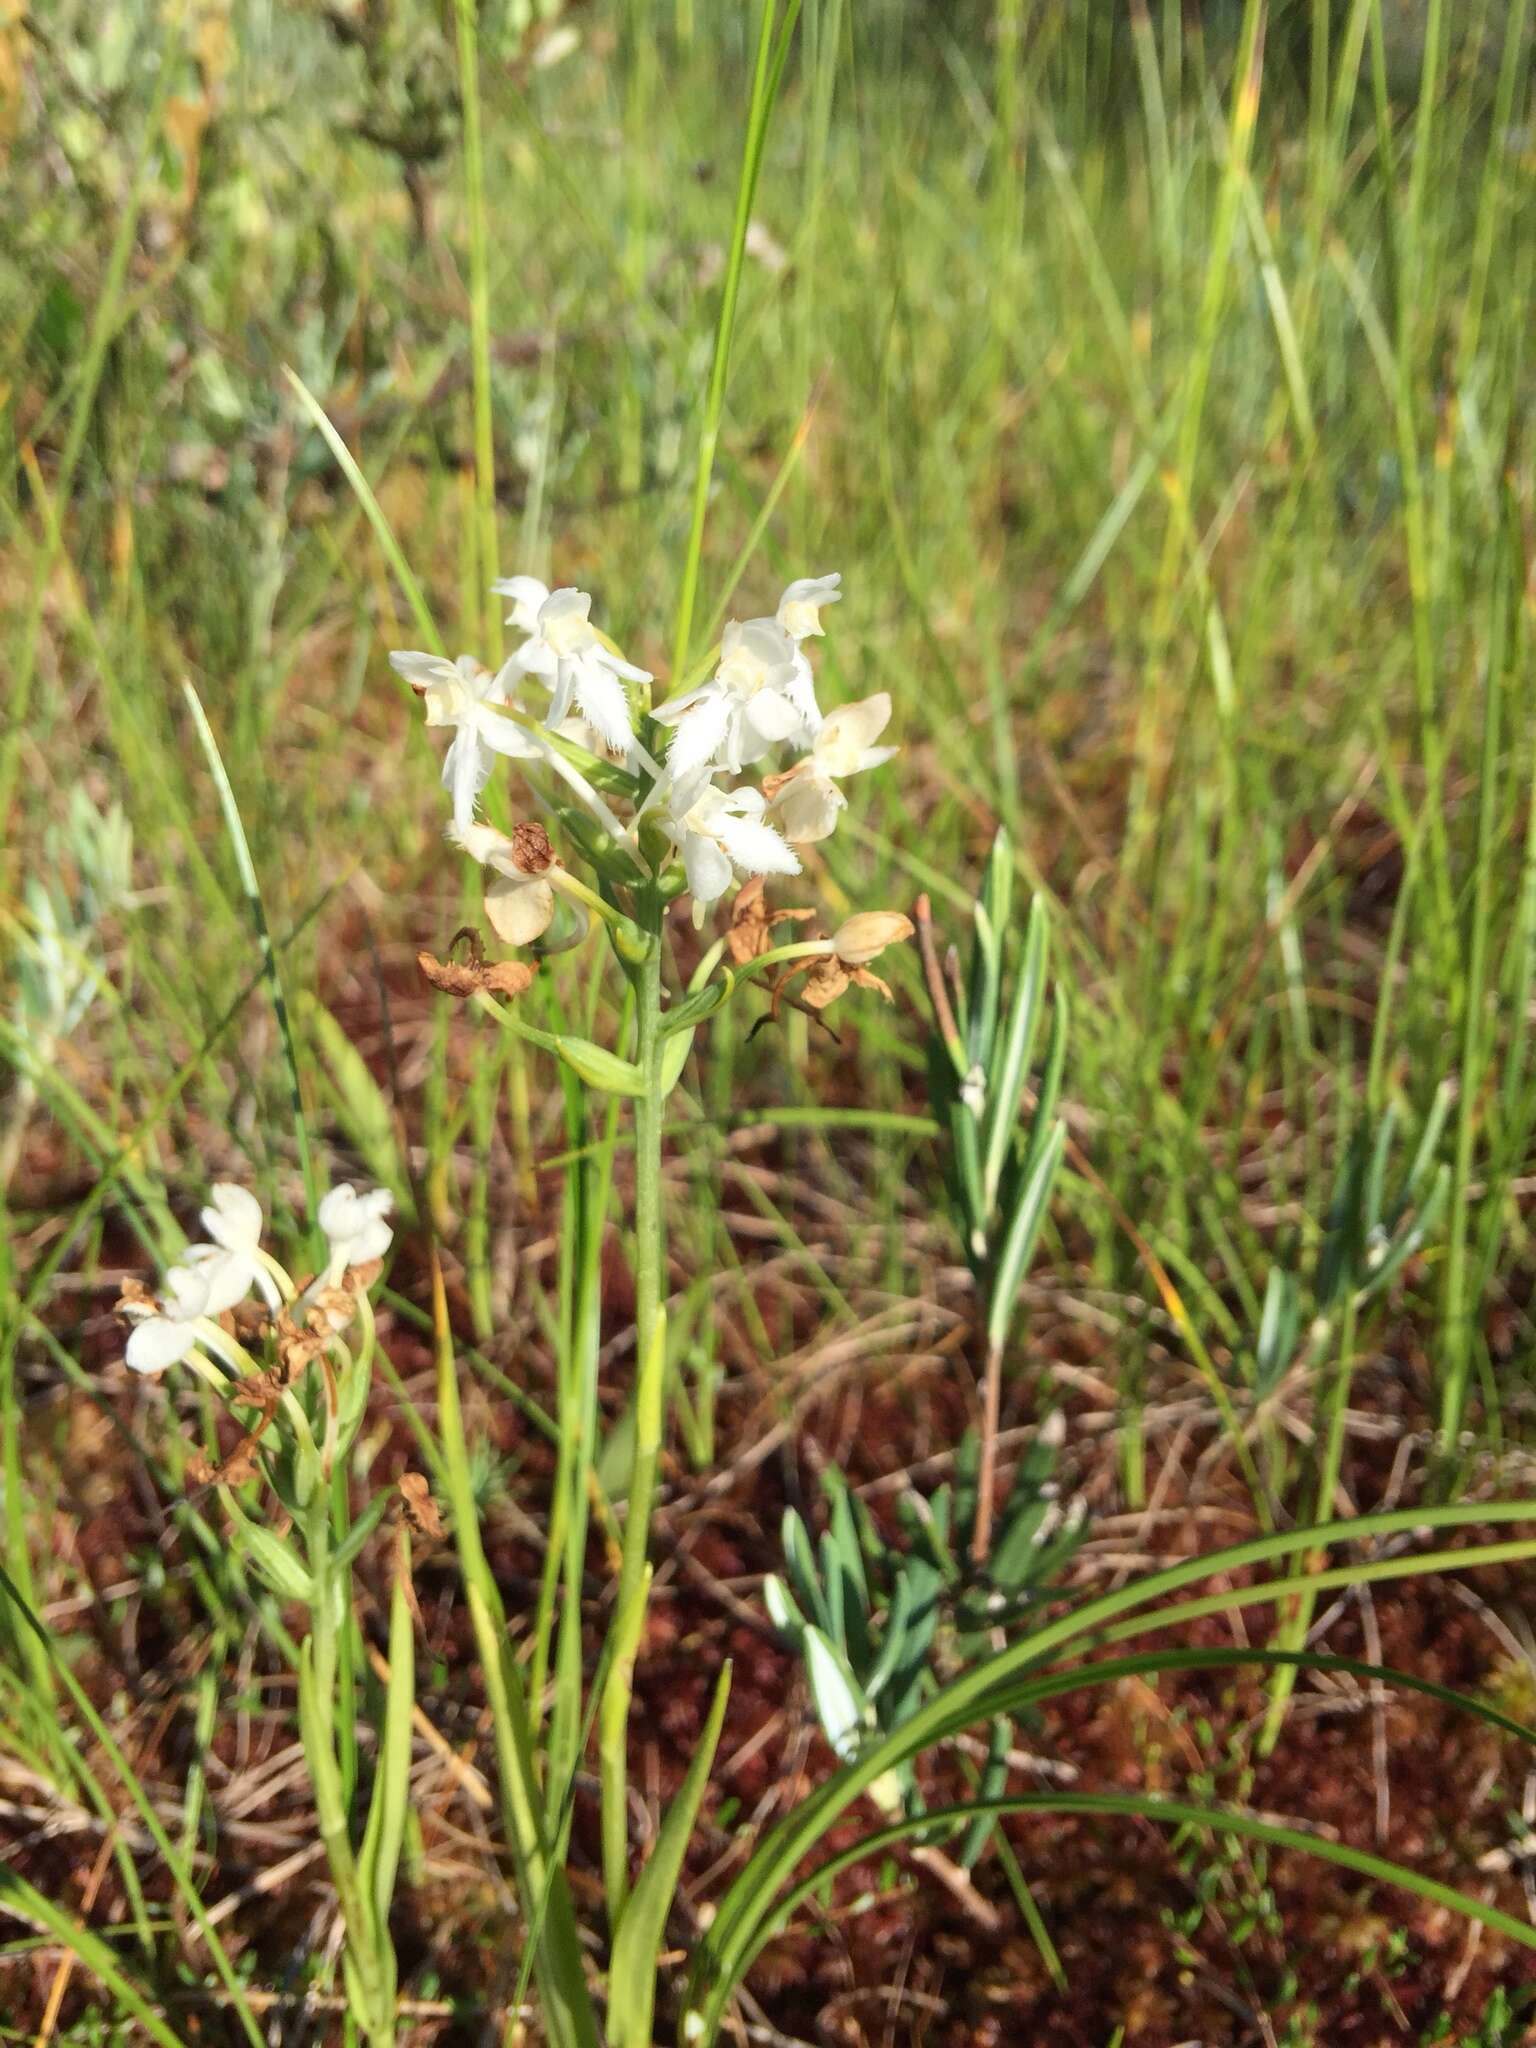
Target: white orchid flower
{"type": "Point", "coordinates": [354, 1227]}
{"type": "Point", "coordinates": [527, 594]}
{"type": "Point", "coordinates": [720, 833]}
{"type": "Point", "coordinates": [520, 903]}
{"type": "Point", "coordinates": [761, 694]}
{"type": "Point", "coordinates": [565, 651]}
{"type": "Point", "coordinates": [163, 1337]}
{"type": "Point", "coordinates": [805, 802]}
{"type": "Point", "coordinates": [799, 610]}
{"type": "Point", "coordinates": [234, 1262]}
{"type": "Point", "coordinates": [464, 694]}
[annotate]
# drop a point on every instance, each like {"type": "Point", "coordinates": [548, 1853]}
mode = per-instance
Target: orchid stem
{"type": "Point", "coordinates": [649, 1410]}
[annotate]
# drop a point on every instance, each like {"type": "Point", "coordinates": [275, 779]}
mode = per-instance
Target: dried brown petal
{"type": "Point", "coordinates": [864, 979]}
{"type": "Point", "coordinates": [134, 1295]}
{"type": "Point", "coordinates": [532, 853]}
{"type": "Point", "coordinates": [507, 978]}
{"type": "Point", "coordinates": [772, 784]}
{"type": "Point", "coordinates": [502, 978]}
{"type": "Point", "coordinates": [420, 1508]}
{"type": "Point", "coordinates": [752, 922]}
{"type": "Point", "coordinates": [825, 981]}
{"type": "Point", "coordinates": [449, 976]}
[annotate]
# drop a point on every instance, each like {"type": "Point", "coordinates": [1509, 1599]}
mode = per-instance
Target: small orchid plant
{"type": "Point", "coordinates": [293, 1367]}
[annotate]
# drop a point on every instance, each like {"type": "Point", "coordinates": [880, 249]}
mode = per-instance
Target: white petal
{"type": "Point", "coordinates": [505, 736]}
{"type": "Point", "coordinates": [534, 658]}
{"type": "Point", "coordinates": [520, 908]}
{"type": "Point", "coordinates": [227, 1275]}
{"type": "Point", "coordinates": [771, 716]}
{"type": "Point", "coordinates": [800, 606]}
{"type": "Point", "coordinates": [620, 666]}
{"type": "Point", "coordinates": [466, 770]}
{"type": "Point", "coordinates": [806, 808]}
{"type": "Point", "coordinates": [157, 1343]}
{"type": "Point", "coordinates": [708, 870]}
{"type": "Point", "coordinates": [674, 707]}
{"type": "Point", "coordinates": [699, 735]}
{"type": "Point", "coordinates": [233, 1215]}
{"type": "Point", "coordinates": [527, 594]}
{"type": "Point", "coordinates": [801, 692]}
{"type": "Point", "coordinates": [849, 730]}
{"type": "Point", "coordinates": [564, 620]}
{"type": "Point", "coordinates": [756, 848]}
{"type": "Point", "coordinates": [337, 1214]}
{"type": "Point", "coordinates": [601, 697]}
{"type": "Point", "coordinates": [184, 1294]}
{"type": "Point", "coordinates": [421, 671]}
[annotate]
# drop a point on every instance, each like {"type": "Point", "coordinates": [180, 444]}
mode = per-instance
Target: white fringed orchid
{"type": "Point", "coordinates": [464, 694]}
{"type": "Point", "coordinates": [565, 651]}
{"type": "Point", "coordinates": [234, 1262]}
{"type": "Point", "coordinates": [804, 803]}
{"type": "Point", "coordinates": [761, 695]}
{"type": "Point", "coordinates": [720, 833]}
{"type": "Point", "coordinates": [163, 1337]}
{"type": "Point", "coordinates": [354, 1227]}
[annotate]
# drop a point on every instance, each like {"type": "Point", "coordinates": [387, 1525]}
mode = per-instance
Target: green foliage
{"type": "Point", "coordinates": [879, 1624]}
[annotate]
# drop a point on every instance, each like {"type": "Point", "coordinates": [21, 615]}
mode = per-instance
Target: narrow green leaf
{"type": "Point", "coordinates": [1023, 1231]}
{"type": "Point", "coordinates": [1010, 1067]}
{"type": "Point", "coordinates": [840, 1702]}
{"type": "Point", "coordinates": [643, 1924]}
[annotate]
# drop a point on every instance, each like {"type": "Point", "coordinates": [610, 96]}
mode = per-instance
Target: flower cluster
{"type": "Point", "coordinates": [215, 1276]}
{"type": "Point", "coordinates": [567, 701]}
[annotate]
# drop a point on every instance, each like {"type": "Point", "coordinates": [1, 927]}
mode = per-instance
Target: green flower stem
{"type": "Point", "coordinates": [649, 1410]}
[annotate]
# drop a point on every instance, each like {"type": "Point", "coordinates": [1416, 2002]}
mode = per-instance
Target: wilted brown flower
{"type": "Point", "coordinates": [454, 978]}
{"type": "Point", "coordinates": [752, 922]}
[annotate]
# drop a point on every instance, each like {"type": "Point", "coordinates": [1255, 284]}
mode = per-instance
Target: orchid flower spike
{"type": "Point", "coordinates": [234, 1262]}
{"type": "Point", "coordinates": [464, 694]}
{"type": "Point", "coordinates": [564, 651]}
{"type": "Point", "coordinates": [162, 1337]}
{"type": "Point", "coordinates": [354, 1228]}
{"type": "Point", "coordinates": [720, 833]}
{"type": "Point", "coordinates": [804, 803]}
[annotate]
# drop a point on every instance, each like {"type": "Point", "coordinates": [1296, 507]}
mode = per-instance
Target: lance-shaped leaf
{"type": "Point", "coordinates": [643, 1923]}
{"type": "Point", "coordinates": [1011, 1062]}
{"type": "Point", "coordinates": [1023, 1230]}
{"type": "Point", "coordinates": [840, 1703]}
